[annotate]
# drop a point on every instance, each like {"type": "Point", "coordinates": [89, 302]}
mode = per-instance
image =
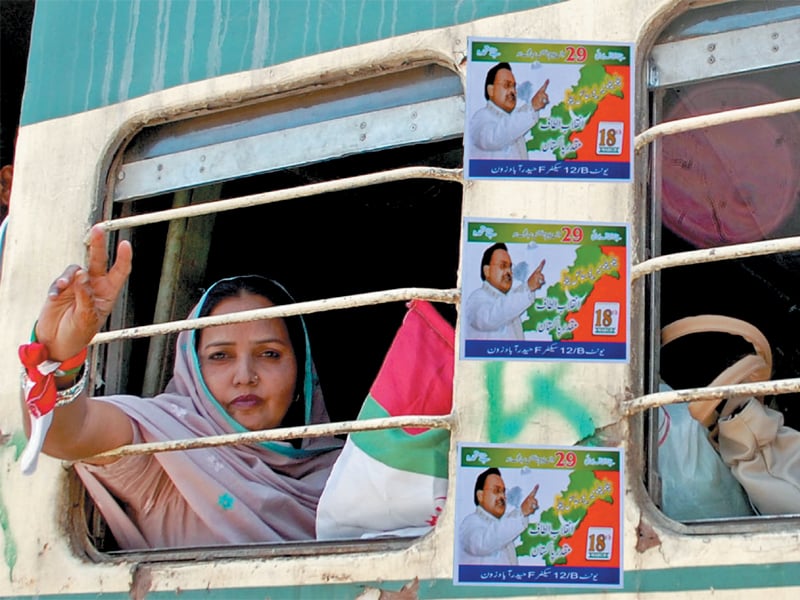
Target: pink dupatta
{"type": "Point", "coordinates": [263, 492]}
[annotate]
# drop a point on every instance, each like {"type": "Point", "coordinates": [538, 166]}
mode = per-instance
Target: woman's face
{"type": "Point", "coordinates": [250, 368]}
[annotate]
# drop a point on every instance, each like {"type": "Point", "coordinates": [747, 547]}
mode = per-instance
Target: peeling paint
{"type": "Point", "coordinates": [142, 582]}
{"type": "Point", "coordinates": [409, 591]}
{"type": "Point", "coordinates": [646, 537]}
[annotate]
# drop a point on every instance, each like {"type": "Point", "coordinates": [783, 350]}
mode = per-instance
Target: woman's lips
{"type": "Point", "coordinates": [245, 401]}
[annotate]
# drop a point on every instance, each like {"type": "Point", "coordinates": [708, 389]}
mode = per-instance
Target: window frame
{"type": "Point", "coordinates": [108, 347]}
{"type": "Point", "coordinates": [674, 60]}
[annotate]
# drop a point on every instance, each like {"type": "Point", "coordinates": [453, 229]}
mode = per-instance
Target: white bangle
{"type": "Point", "coordinates": [64, 397]}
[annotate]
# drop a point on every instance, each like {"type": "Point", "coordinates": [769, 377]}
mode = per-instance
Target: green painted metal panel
{"type": "Point", "coordinates": [90, 53]}
{"type": "Point", "coordinates": [671, 582]}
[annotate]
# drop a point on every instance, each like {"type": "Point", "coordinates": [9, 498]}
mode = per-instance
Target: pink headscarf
{"type": "Point", "coordinates": [259, 492]}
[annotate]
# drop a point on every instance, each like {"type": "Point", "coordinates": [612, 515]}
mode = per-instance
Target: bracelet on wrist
{"type": "Point", "coordinates": [64, 397]}
{"type": "Point", "coordinates": [39, 375]}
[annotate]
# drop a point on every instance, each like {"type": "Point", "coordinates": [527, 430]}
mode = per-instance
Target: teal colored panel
{"type": "Point", "coordinates": [671, 582]}
{"type": "Point", "coordinates": [90, 53]}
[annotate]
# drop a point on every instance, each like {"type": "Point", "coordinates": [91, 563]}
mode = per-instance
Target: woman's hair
{"type": "Point", "coordinates": [277, 294]}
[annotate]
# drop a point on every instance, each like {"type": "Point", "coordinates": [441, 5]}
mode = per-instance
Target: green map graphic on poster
{"type": "Point", "coordinates": [548, 538]}
{"type": "Point", "coordinates": [553, 133]}
{"type": "Point", "coordinates": [569, 294]}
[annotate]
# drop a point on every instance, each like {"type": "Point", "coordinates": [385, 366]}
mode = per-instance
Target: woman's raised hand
{"type": "Point", "coordinates": [80, 300]}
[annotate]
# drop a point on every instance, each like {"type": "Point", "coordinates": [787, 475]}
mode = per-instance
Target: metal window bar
{"type": "Point", "coordinates": [630, 407]}
{"type": "Point", "coordinates": [304, 191]}
{"type": "Point", "coordinates": [719, 118]}
{"type": "Point", "coordinates": [739, 390]}
{"type": "Point", "coordinates": [789, 244]}
{"type": "Point", "coordinates": [450, 296]}
{"type": "Point", "coordinates": [286, 433]}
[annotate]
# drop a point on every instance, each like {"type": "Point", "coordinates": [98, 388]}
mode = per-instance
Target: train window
{"type": "Point", "coordinates": [734, 183]}
{"type": "Point", "coordinates": [361, 209]}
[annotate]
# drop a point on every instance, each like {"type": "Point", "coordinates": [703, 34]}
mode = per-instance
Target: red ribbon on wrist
{"type": "Point", "coordinates": [41, 392]}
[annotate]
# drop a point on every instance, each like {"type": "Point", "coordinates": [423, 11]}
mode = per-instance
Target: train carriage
{"type": "Point", "coordinates": [329, 144]}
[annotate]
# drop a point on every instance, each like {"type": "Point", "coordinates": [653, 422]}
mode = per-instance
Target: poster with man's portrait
{"type": "Point", "coordinates": [542, 109]}
{"type": "Point", "coordinates": [542, 516]}
{"type": "Point", "coordinates": [544, 290]}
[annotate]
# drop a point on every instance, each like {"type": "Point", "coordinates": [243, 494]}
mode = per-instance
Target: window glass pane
{"type": "Point", "coordinates": [729, 16]}
{"type": "Point", "coordinates": [737, 182]}
{"type": "Point", "coordinates": [732, 184]}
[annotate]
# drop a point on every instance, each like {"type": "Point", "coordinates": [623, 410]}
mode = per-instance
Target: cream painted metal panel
{"type": "Point", "coordinates": [727, 53]}
{"type": "Point", "coordinates": [388, 128]}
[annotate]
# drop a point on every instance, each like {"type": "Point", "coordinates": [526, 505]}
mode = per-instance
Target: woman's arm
{"type": "Point", "coordinates": [77, 305]}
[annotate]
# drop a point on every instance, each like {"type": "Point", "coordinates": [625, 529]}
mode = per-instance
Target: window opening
{"type": "Point", "coordinates": [402, 231]}
{"type": "Point", "coordinates": [341, 193]}
{"type": "Point", "coordinates": [724, 186]}
{"type": "Point", "coordinates": [393, 235]}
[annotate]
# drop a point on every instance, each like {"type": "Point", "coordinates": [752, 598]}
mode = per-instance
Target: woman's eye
{"type": "Point", "coordinates": [270, 354]}
{"type": "Point", "coordinates": [217, 356]}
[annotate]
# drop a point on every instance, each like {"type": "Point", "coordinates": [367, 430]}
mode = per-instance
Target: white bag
{"type": "Point", "coordinates": [764, 455]}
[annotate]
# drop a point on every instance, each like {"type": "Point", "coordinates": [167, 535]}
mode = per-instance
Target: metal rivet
{"type": "Point", "coordinates": [362, 137]}
{"type": "Point", "coordinates": [711, 60]}
{"type": "Point", "coordinates": [121, 175]}
{"type": "Point", "coordinates": [711, 47]}
{"type": "Point", "coordinates": [363, 124]}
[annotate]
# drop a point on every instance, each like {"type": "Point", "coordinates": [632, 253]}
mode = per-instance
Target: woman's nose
{"type": "Point", "coordinates": [245, 374]}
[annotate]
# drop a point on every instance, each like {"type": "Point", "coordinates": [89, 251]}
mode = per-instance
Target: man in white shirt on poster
{"type": "Point", "coordinates": [486, 537]}
{"type": "Point", "coordinates": [494, 310]}
{"type": "Point", "coordinates": [497, 131]}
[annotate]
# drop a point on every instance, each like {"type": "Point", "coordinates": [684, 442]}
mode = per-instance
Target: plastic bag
{"type": "Point", "coordinates": [695, 482]}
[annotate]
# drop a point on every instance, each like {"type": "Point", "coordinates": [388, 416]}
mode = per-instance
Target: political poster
{"type": "Point", "coordinates": [539, 109]}
{"type": "Point", "coordinates": [542, 290]}
{"type": "Point", "coordinates": [539, 516]}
